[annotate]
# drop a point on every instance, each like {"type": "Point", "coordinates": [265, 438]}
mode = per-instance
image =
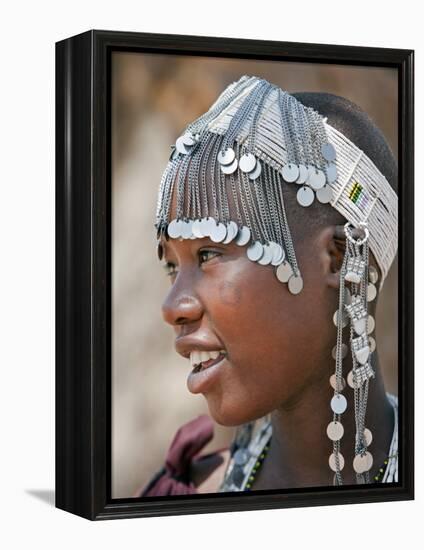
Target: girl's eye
{"type": "Point", "coordinates": [207, 255]}
{"type": "Point", "coordinates": [170, 269]}
{"type": "Point", "coordinates": [204, 256]}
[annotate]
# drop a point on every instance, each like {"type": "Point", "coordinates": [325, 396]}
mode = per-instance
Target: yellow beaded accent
{"type": "Point", "coordinates": [256, 467]}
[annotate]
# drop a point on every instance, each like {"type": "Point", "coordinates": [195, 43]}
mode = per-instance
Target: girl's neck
{"type": "Point", "coordinates": [300, 448]}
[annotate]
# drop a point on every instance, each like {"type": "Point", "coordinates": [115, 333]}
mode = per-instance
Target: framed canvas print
{"type": "Point", "coordinates": [234, 229]}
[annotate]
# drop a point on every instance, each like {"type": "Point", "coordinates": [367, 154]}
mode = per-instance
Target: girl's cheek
{"type": "Point", "coordinates": [229, 293]}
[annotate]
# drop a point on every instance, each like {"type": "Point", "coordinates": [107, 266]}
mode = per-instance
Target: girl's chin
{"type": "Point", "coordinates": [231, 417]}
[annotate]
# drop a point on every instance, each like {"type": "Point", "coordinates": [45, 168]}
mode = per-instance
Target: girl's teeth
{"type": "Point", "coordinates": [198, 357]}
{"type": "Point", "coordinates": [204, 356]}
{"type": "Point", "coordinates": [195, 358]}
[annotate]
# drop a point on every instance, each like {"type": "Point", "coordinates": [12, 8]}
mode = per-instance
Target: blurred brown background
{"type": "Point", "coordinates": [153, 98]}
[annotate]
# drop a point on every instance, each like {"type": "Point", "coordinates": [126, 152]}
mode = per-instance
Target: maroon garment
{"type": "Point", "coordinates": [174, 477]}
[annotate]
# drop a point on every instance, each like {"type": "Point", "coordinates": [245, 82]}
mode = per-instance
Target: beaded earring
{"type": "Point", "coordinates": [353, 309]}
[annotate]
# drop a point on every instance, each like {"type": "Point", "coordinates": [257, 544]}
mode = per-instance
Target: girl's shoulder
{"type": "Point", "coordinates": [186, 469]}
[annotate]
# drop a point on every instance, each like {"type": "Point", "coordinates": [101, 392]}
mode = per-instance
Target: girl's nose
{"type": "Point", "coordinates": [181, 304]}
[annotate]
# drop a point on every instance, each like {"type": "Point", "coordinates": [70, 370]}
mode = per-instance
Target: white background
{"type": "Point", "coordinates": [28, 33]}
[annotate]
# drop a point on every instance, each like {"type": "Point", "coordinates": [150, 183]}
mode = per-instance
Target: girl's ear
{"type": "Point", "coordinates": [332, 249]}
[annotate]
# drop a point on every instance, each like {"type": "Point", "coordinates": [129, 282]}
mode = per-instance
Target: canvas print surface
{"type": "Point", "coordinates": [254, 275]}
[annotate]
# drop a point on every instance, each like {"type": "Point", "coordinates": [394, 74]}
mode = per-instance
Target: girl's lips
{"type": "Point", "coordinates": [198, 382]}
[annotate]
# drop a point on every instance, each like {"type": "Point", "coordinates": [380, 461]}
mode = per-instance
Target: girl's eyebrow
{"type": "Point", "coordinates": [163, 249]}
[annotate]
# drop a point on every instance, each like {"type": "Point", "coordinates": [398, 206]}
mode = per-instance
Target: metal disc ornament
{"type": "Point", "coordinates": [370, 324]}
{"type": "Point", "coordinates": [331, 171]}
{"type": "Point", "coordinates": [325, 194]}
{"type": "Point", "coordinates": [226, 157]}
{"type": "Point", "coordinates": [372, 274]}
{"type": "Point", "coordinates": [257, 171]}
{"type": "Point", "coordinates": [311, 169]}
{"type": "Point", "coordinates": [186, 229]}
{"type": "Point", "coordinates": [305, 196]}
{"type": "Point", "coordinates": [284, 272]}
{"type": "Point", "coordinates": [241, 456]}
{"type": "Point", "coordinates": [204, 227]}
{"type": "Point", "coordinates": [328, 152]}
{"type": "Point", "coordinates": [232, 230]}
{"type": "Point", "coordinates": [316, 179]}
{"type": "Point", "coordinates": [180, 146]}
{"type": "Point", "coordinates": [335, 431]}
{"type": "Point", "coordinates": [243, 236]}
{"type": "Point", "coordinates": [230, 168]}
{"type": "Point", "coordinates": [371, 292]}
{"type": "Point", "coordinates": [372, 343]}
{"type": "Point", "coordinates": [218, 233]}
{"type": "Point", "coordinates": [290, 172]}
{"type": "Point", "coordinates": [267, 255]}
{"type": "Point", "coordinates": [303, 174]}
{"type": "Point", "coordinates": [255, 251]}
{"type": "Point", "coordinates": [278, 255]}
{"type": "Point", "coordinates": [368, 437]}
{"type": "Point", "coordinates": [344, 350]}
{"type": "Point", "coordinates": [174, 229]}
{"type": "Point", "coordinates": [207, 225]}
{"type": "Point", "coordinates": [332, 462]}
{"type": "Point", "coordinates": [197, 229]}
{"type": "Point", "coordinates": [247, 162]}
{"type": "Point", "coordinates": [333, 383]}
{"type": "Point", "coordinates": [345, 318]}
{"type": "Point", "coordinates": [295, 284]}
{"type": "Point", "coordinates": [187, 139]}
{"type": "Point", "coordinates": [362, 463]}
{"type": "Point", "coordinates": [350, 379]}
{"type": "Point", "coordinates": [339, 403]}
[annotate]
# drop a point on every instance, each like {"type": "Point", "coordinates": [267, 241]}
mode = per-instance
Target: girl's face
{"type": "Point", "coordinates": [274, 341]}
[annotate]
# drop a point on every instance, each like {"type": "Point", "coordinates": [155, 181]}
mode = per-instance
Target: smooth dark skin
{"type": "Point", "coordinates": [279, 345]}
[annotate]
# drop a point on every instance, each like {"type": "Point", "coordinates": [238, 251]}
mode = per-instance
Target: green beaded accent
{"type": "Point", "coordinates": [257, 465]}
{"type": "Point", "coordinates": [381, 470]}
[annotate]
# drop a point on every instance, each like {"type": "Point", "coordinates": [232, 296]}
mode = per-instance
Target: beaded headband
{"type": "Point", "coordinates": [227, 171]}
{"type": "Point", "coordinates": [258, 137]}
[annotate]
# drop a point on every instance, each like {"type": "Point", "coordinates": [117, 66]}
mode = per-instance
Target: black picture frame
{"type": "Point", "coordinates": [83, 252]}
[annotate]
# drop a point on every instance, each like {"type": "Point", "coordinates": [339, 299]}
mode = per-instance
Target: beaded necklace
{"type": "Point", "coordinates": [258, 464]}
{"type": "Point", "coordinates": [381, 471]}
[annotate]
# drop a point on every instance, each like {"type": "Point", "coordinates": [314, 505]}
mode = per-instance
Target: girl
{"type": "Point", "coordinates": [277, 223]}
